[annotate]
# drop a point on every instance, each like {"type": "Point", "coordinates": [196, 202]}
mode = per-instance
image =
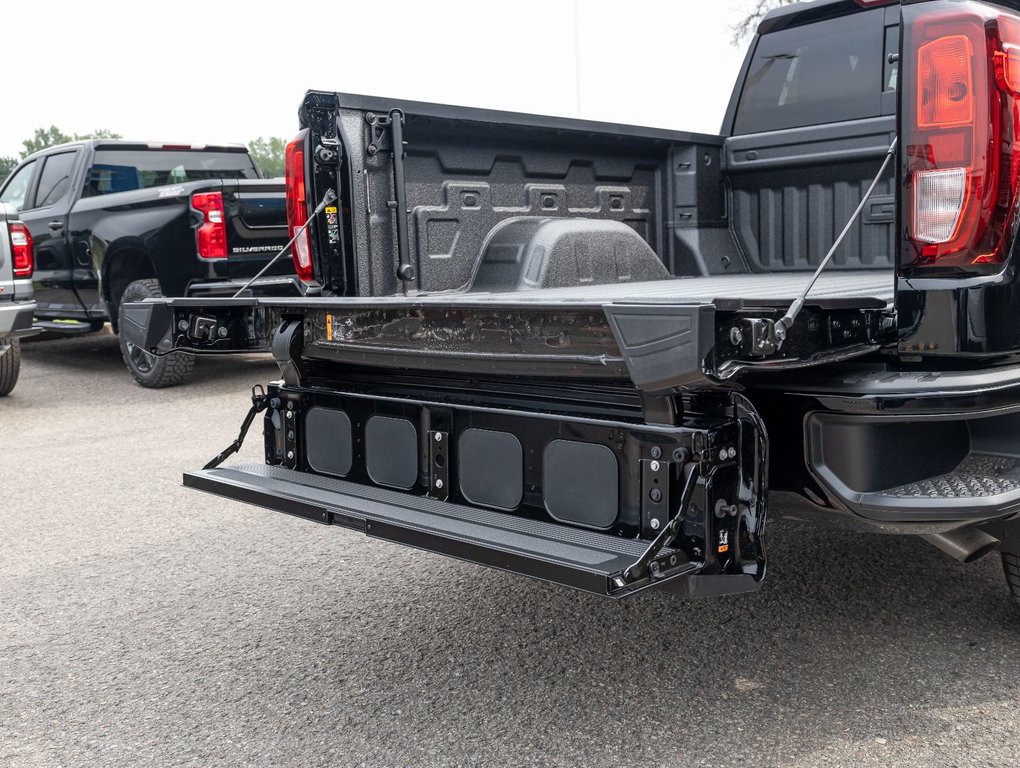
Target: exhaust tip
{"type": "Point", "coordinates": [966, 545]}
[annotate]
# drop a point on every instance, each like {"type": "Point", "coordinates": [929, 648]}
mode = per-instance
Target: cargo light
{"type": "Point", "coordinates": [211, 235]}
{"type": "Point", "coordinates": [297, 207]}
{"type": "Point", "coordinates": [961, 168]}
{"type": "Point", "coordinates": [21, 249]}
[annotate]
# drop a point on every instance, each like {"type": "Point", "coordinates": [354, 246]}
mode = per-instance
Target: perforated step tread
{"type": "Point", "coordinates": [980, 475]}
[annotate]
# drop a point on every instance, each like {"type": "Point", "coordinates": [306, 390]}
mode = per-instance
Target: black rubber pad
{"type": "Point", "coordinates": [582, 483]}
{"type": "Point", "coordinates": [328, 441]}
{"type": "Point", "coordinates": [491, 468]}
{"type": "Point", "coordinates": [391, 451]}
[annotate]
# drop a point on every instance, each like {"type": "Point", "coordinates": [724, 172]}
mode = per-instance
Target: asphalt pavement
{"type": "Point", "coordinates": [142, 624]}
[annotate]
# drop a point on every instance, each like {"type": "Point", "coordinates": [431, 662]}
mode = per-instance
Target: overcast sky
{"type": "Point", "coordinates": [210, 71]}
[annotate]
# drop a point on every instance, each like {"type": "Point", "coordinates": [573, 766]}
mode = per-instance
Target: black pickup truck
{"type": "Point", "coordinates": [598, 354]}
{"type": "Point", "coordinates": [115, 221]}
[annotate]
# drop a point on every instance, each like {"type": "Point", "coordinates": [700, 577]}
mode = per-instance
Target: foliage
{"type": "Point", "coordinates": [747, 26]}
{"type": "Point", "coordinates": [50, 137]}
{"type": "Point", "coordinates": [6, 166]}
{"type": "Point", "coordinates": [268, 155]}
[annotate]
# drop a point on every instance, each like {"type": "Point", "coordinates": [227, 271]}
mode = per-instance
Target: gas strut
{"type": "Point", "coordinates": [786, 321]}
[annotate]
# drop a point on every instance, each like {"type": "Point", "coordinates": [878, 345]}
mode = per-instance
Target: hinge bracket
{"type": "Point", "coordinates": [652, 565]}
{"type": "Point", "coordinates": [439, 464]}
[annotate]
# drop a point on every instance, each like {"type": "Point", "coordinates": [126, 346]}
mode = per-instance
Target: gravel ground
{"type": "Point", "coordinates": [142, 624]}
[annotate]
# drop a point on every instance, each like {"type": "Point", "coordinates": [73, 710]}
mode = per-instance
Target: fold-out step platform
{"type": "Point", "coordinates": [581, 559]}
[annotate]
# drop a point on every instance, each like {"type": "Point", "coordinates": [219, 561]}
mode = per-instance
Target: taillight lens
{"type": "Point", "coordinates": [297, 207]}
{"type": "Point", "coordinates": [946, 95]}
{"type": "Point", "coordinates": [21, 249]}
{"type": "Point", "coordinates": [938, 202]}
{"type": "Point", "coordinates": [959, 125]}
{"type": "Point", "coordinates": [211, 236]}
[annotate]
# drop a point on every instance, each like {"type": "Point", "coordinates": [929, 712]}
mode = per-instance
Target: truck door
{"type": "Point", "coordinates": [45, 215]}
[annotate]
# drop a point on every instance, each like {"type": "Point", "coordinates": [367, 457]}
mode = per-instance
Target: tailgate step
{"type": "Point", "coordinates": [581, 559]}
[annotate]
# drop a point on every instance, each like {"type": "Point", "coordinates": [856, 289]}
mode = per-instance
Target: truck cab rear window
{"type": "Point", "coordinates": [118, 170]}
{"type": "Point", "coordinates": [827, 72]}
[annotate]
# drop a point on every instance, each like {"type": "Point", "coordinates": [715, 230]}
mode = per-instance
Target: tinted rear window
{"type": "Point", "coordinates": [826, 72]}
{"type": "Point", "coordinates": [123, 170]}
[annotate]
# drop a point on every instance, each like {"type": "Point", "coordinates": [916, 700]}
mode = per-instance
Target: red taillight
{"type": "Point", "coordinates": [1007, 59]}
{"type": "Point", "coordinates": [211, 236]}
{"type": "Point", "coordinates": [21, 249]}
{"type": "Point", "coordinates": [946, 94]}
{"type": "Point", "coordinates": [959, 124]}
{"type": "Point", "coordinates": [297, 207]}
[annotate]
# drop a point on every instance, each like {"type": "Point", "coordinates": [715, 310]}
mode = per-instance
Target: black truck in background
{"type": "Point", "coordinates": [599, 355]}
{"type": "Point", "coordinates": [110, 222]}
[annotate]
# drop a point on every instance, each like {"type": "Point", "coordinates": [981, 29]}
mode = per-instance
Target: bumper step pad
{"type": "Point", "coordinates": [983, 486]}
{"type": "Point", "coordinates": [581, 559]}
{"type": "Point", "coordinates": [980, 475]}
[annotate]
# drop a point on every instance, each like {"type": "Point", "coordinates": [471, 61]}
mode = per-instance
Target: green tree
{"type": "Point", "coordinates": [268, 154]}
{"type": "Point", "coordinates": [50, 137]}
{"type": "Point", "coordinates": [42, 138]}
{"type": "Point", "coordinates": [6, 166]}
{"type": "Point", "coordinates": [747, 26]}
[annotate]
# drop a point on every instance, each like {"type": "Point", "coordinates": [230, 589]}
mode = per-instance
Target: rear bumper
{"type": "Point", "coordinates": [896, 450]}
{"type": "Point", "coordinates": [944, 468]}
{"type": "Point", "coordinates": [16, 319]}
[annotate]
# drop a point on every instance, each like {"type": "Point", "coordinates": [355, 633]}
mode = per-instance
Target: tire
{"type": "Point", "coordinates": [1011, 565]}
{"type": "Point", "coordinates": [10, 367]}
{"type": "Point", "coordinates": [149, 371]}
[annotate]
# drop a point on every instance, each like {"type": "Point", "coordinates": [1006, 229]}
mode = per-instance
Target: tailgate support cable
{"type": "Point", "coordinates": [786, 322]}
{"type": "Point", "coordinates": [328, 198]}
{"type": "Point", "coordinates": [259, 403]}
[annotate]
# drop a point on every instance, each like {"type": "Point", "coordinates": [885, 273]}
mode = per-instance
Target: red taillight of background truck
{"type": "Point", "coordinates": [21, 249]}
{"type": "Point", "coordinates": [211, 237]}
